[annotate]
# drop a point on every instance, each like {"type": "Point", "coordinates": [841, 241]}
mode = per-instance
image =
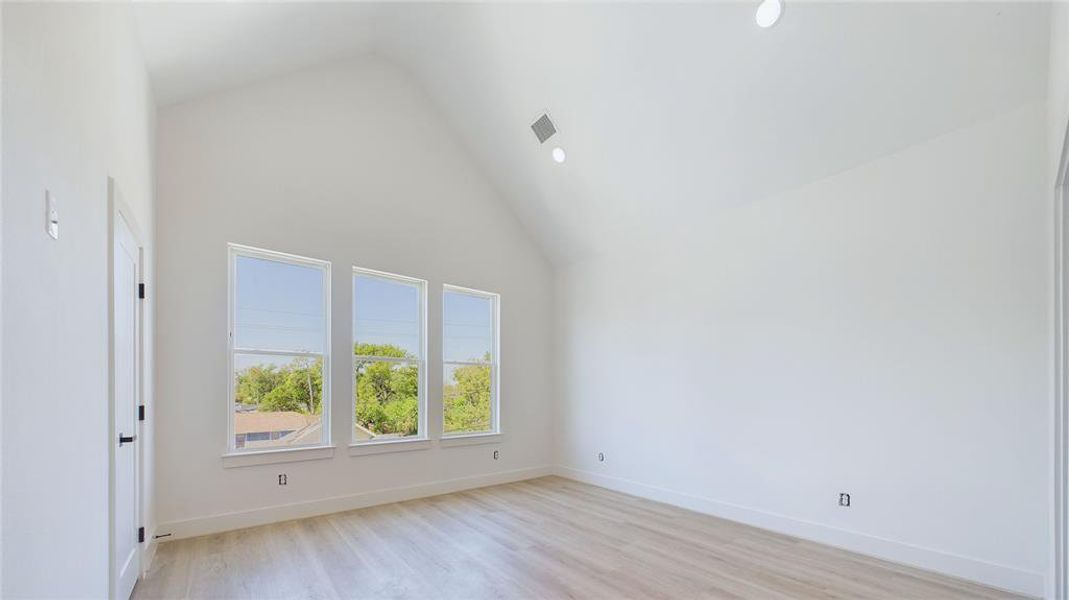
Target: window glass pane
{"type": "Point", "coordinates": [278, 306]}
{"type": "Point", "coordinates": [278, 401]}
{"type": "Point", "coordinates": [387, 400]}
{"type": "Point", "coordinates": [466, 393]}
{"type": "Point", "coordinates": [386, 317]}
{"type": "Point", "coordinates": [468, 328]}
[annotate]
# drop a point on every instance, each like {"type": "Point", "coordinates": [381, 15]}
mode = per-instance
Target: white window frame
{"type": "Point", "coordinates": [234, 251]}
{"type": "Point", "coordinates": [495, 365]}
{"type": "Point", "coordinates": [422, 435]}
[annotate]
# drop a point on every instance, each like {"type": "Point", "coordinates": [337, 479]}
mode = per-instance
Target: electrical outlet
{"type": "Point", "coordinates": [497, 454]}
{"type": "Point", "coordinates": [844, 499]}
{"type": "Point", "coordinates": [601, 457]}
{"type": "Point", "coordinates": [282, 479]}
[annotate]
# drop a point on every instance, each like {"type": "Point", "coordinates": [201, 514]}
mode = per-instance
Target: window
{"type": "Point", "coordinates": [389, 373]}
{"type": "Point", "coordinates": [279, 350]}
{"type": "Point", "coordinates": [469, 359]}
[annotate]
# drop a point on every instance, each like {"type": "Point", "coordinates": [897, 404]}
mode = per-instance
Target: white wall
{"type": "Point", "coordinates": [1057, 121]}
{"type": "Point", "coordinates": [1058, 94]}
{"type": "Point", "coordinates": [76, 109]}
{"type": "Point", "coordinates": [882, 332]}
{"type": "Point", "coordinates": [346, 162]}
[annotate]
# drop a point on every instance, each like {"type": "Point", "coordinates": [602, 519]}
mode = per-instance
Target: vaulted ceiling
{"type": "Point", "coordinates": [668, 112]}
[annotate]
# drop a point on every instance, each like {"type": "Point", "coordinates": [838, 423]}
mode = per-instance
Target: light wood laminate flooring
{"type": "Point", "coordinates": [542, 538]}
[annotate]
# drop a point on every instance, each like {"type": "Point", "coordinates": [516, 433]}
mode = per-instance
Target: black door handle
{"type": "Point", "coordinates": [126, 439]}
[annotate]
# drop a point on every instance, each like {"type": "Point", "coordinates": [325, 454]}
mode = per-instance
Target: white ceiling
{"type": "Point", "coordinates": [192, 49]}
{"type": "Point", "coordinates": [668, 112]}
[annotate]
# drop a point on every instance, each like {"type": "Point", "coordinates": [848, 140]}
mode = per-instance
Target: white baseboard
{"type": "Point", "coordinates": [299, 510]}
{"type": "Point", "coordinates": [995, 575]}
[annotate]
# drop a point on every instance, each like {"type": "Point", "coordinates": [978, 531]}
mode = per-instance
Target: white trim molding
{"type": "Point", "coordinates": [234, 252]}
{"type": "Point", "coordinates": [119, 210]}
{"type": "Point", "coordinates": [472, 439]}
{"type": "Point", "coordinates": [377, 445]}
{"type": "Point", "coordinates": [387, 446]}
{"type": "Point", "coordinates": [274, 456]}
{"type": "Point", "coordinates": [148, 555]}
{"type": "Point", "coordinates": [299, 510]}
{"type": "Point", "coordinates": [991, 574]}
{"type": "Point", "coordinates": [1059, 554]}
{"type": "Point", "coordinates": [495, 358]}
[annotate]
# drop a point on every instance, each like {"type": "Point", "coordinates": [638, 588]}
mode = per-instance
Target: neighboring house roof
{"type": "Point", "coordinates": [252, 422]}
{"type": "Point", "coordinates": [311, 434]}
{"type": "Point", "coordinates": [304, 429]}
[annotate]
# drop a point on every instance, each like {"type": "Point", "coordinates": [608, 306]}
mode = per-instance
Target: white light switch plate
{"type": "Point", "coordinates": [51, 216]}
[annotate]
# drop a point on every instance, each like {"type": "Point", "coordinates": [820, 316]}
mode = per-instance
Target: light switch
{"type": "Point", "coordinates": [51, 216]}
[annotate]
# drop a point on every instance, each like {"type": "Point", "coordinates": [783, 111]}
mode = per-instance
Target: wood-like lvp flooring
{"type": "Point", "coordinates": [543, 538]}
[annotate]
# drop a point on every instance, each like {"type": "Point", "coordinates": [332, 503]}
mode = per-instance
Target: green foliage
{"type": "Point", "coordinates": [296, 386]}
{"type": "Point", "coordinates": [256, 382]}
{"type": "Point", "coordinates": [467, 399]}
{"type": "Point", "coordinates": [379, 350]}
{"type": "Point", "coordinates": [387, 393]}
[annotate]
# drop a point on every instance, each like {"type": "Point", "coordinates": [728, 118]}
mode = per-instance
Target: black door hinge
{"type": "Point", "coordinates": [140, 535]}
{"type": "Point", "coordinates": [140, 412]}
{"type": "Point", "coordinates": [141, 291]}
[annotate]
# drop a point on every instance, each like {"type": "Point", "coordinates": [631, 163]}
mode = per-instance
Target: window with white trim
{"type": "Point", "coordinates": [279, 346]}
{"type": "Point", "coordinates": [389, 346]}
{"type": "Point", "coordinates": [470, 361]}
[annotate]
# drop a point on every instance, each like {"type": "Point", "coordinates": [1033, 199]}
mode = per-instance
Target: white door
{"type": "Point", "coordinates": [125, 324]}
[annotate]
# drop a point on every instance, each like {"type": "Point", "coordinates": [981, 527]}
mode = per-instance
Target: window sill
{"type": "Point", "coordinates": [274, 456]}
{"type": "Point", "coordinates": [472, 439]}
{"type": "Point", "coordinates": [384, 447]}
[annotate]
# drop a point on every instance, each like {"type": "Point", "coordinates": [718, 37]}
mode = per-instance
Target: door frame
{"type": "Point", "coordinates": [118, 209]}
{"type": "Point", "coordinates": [1059, 554]}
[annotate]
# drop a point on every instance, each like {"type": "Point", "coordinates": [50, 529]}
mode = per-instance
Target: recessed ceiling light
{"type": "Point", "coordinates": [768, 13]}
{"type": "Point", "coordinates": [559, 155]}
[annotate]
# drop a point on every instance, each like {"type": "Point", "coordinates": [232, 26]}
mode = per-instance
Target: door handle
{"type": "Point", "coordinates": [126, 439]}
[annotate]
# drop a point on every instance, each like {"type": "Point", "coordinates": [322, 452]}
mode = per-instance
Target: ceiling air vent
{"type": "Point", "coordinates": [543, 128]}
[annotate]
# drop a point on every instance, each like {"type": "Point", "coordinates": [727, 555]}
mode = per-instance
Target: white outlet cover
{"type": "Point", "coordinates": [51, 215]}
